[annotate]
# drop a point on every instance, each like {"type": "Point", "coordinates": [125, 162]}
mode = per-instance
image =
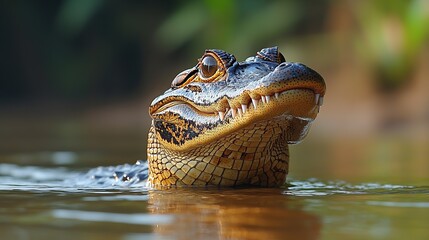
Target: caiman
{"type": "Point", "coordinates": [229, 123]}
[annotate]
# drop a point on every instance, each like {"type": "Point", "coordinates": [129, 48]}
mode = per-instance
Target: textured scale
{"type": "Point", "coordinates": [243, 158]}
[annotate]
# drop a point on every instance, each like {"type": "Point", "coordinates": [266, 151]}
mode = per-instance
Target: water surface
{"type": "Point", "coordinates": [58, 201]}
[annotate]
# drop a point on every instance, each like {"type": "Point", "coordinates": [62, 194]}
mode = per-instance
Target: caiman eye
{"type": "Point", "coordinates": [208, 66]}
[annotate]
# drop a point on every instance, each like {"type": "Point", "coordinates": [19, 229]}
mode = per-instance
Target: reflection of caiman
{"type": "Point", "coordinates": [232, 214]}
{"type": "Point", "coordinates": [229, 123]}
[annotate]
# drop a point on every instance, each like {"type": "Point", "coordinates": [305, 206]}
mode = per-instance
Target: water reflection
{"type": "Point", "coordinates": [232, 214]}
{"type": "Point", "coordinates": [41, 202]}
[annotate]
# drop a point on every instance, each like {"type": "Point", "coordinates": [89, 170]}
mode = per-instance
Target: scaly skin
{"type": "Point", "coordinates": [229, 123]}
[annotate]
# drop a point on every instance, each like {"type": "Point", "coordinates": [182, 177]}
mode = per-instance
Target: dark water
{"type": "Point", "coordinates": [55, 201]}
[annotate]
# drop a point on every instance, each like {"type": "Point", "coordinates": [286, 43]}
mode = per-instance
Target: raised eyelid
{"type": "Point", "coordinates": [271, 54]}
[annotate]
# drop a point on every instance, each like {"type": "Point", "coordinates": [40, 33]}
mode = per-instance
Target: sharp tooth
{"type": "Point", "coordinates": [221, 115]}
{"type": "Point", "coordinates": [320, 103]}
{"type": "Point", "coordinates": [255, 103]}
{"type": "Point", "coordinates": [263, 99]}
{"type": "Point", "coordinates": [234, 112]}
{"type": "Point", "coordinates": [276, 95]}
{"type": "Point", "coordinates": [267, 99]}
{"type": "Point", "coordinates": [244, 107]}
{"type": "Point", "coordinates": [316, 98]}
{"type": "Point", "coordinates": [240, 112]}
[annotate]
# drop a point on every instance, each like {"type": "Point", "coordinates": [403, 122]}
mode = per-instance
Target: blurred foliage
{"type": "Point", "coordinates": [79, 50]}
{"type": "Point", "coordinates": [394, 33]}
{"type": "Point", "coordinates": [73, 15]}
{"type": "Point", "coordinates": [239, 26]}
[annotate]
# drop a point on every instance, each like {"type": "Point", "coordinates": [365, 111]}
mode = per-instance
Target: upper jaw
{"type": "Point", "coordinates": [234, 95]}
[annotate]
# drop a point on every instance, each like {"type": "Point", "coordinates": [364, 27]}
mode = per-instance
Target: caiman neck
{"type": "Point", "coordinates": [255, 155]}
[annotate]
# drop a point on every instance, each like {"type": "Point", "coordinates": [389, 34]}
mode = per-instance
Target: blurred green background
{"type": "Point", "coordinates": [77, 76]}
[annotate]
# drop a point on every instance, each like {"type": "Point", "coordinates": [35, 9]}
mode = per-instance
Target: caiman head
{"type": "Point", "coordinates": [229, 123]}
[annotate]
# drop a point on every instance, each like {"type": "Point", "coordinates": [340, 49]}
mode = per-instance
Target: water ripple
{"type": "Point", "coordinates": [399, 204]}
{"type": "Point", "coordinates": [313, 187]}
{"type": "Point", "coordinates": [135, 218]}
